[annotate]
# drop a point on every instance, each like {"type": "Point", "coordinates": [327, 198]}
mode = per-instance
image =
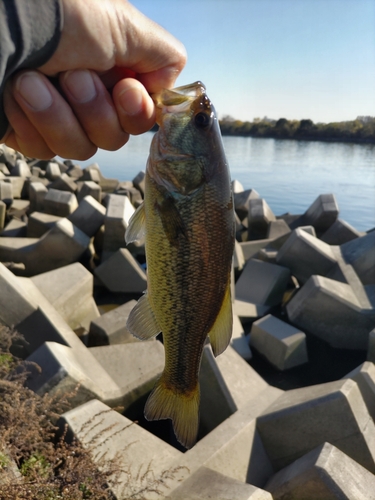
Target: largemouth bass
{"type": "Point", "coordinates": [188, 225]}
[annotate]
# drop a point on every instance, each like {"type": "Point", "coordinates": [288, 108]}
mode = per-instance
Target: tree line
{"type": "Point", "coordinates": [362, 129]}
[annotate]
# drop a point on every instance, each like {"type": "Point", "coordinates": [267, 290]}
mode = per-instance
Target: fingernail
{"type": "Point", "coordinates": [34, 91]}
{"type": "Point", "coordinates": [81, 85]}
{"type": "Point", "coordinates": [131, 101]}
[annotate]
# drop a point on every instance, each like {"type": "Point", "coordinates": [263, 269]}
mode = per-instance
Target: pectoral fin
{"type": "Point", "coordinates": [141, 321]}
{"type": "Point", "coordinates": [137, 226]}
{"type": "Point", "coordinates": [221, 333]}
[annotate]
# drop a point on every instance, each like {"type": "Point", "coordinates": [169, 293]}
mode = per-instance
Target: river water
{"type": "Point", "coordinates": [288, 174]}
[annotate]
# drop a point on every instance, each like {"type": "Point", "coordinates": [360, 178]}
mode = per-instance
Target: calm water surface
{"type": "Point", "coordinates": [289, 175]}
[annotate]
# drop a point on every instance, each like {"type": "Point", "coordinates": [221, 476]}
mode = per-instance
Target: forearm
{"type": "Point", "coordinates": [29, 34]}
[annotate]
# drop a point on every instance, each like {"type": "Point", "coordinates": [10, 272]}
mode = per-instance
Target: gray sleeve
{"type": "Point", "coordinates": [29, 35]}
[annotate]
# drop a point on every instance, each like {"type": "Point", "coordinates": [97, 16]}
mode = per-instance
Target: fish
{"type": "Point", "coordinates": [187, 223]}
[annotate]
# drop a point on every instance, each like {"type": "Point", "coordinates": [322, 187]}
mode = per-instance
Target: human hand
{"type": "Point", "coordinates": [110, 56]}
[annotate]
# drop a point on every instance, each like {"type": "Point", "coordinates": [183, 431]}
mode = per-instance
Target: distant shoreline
{"type": "Point", "coordinates": [359, 131]}
{"type": "Point", "coordinates": [310, 139]}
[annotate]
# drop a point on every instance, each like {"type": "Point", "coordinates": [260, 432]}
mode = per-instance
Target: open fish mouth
{"type": "Point", "coordinates": [179, 99]}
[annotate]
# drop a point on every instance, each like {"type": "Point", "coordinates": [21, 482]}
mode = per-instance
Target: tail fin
{"type": "Point", "coordinates": [181, 408]}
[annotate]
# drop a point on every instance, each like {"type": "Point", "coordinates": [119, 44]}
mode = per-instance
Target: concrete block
{"type": "Point", "coordinates": [75, 171]}
{"type": "Point", "coordinates": [89, 216]}
{"type": "Point", "coordinates": [360, 254]}
{"type": "Point", "coordinates": [69, 289]}
{"type": "Point", "coordinates": [14, 251]}
{"type": "Point", "coordinates": [16, 303]}
{"type": "Point", "coordinates": [53, 170]}
{"type": "Point", "coordinates": [15, 228]}
{"type": "Point", "coordinates": [91, 174]}
{"type": "Point", "coordinates": [238, 256]}
{"type": "Point", "coordinates": [331, 310]}
{"type": "Point", "coordinates": [340, 232]}
{"type": "Point", "coordinates": [53, 345]}
{"type": "Point", "coordinates": [37, 193]}
{"type": "Point", "coordinates": [61, 203]}
{"type": "Point", "coordinates": [277, 228]}
{"type": "Point", "coordinates": [216, 402]}
{"type": "Point", "coordinates": [259, 216]}
{"type": "Point", "coordinates": [277, 243]}
{"type": "Point", "coordinates": [122, 273]}
{"type": "Point", "coordinates": [60, 246]}
{"type": "Point", "coordinates": [18, 184]}
{"type": "Point", "coordinates": [237, 187]}
{"type": "Point", "coordinates": [40, 223]}
{"type": "Point", "coordinates": [7, 155]}
{"type": "Point", "coordinates": [37, 172]}
{"type": "Point", "coordinates": [247, 311]}
{"type": "Point", "coordinates": [241, 379]}
{"type": "Point", "coordinates": [6, 193]}
{"type": "Point", "coordinates": [90, 188]}
{"type": "Point", "coordinates": [305, 255]}
{"type": "Point", "coordinates": [227, 383]}
{"type": "Point", "coordinates": [21, 169]}
{"type": "Point", "coordinates": [234, 447]}
{"type": "Point", "coordinates": [110, 328]}
{"type": "Point", "coordinates": [239, 341]}
{"type": "Point", "coordinates": [280, 343]}
{"type": "Point", "coordinates": [3, 168]}
{"type": "Point", "coordinates": [251, 248]}
{"type": "Point", "coordinates": [206, 483]}
{"type": "Point", "coordinates": [134, 367]}
{"type": "Point", "coordinates": [44, 324]}
{"type": "Point", "coordinates": [324, 473]}
{"type": "Point", "coordinates": [267, 255]}
{"type": "Point", "coordinates": [242, 200]}
{"type": "Point", "coordinates": [69, 370]}
{"type": "Point", "coordinates": [131, 192]}
{"type": "Point", "coordinates": [119, 211]}
{"type": "Point", "coordinates": [364, 375]}
{"type": "Point", "coordinates": [371, 346]}
{"type": "Point", "coordinates": [109, 434]}
{"type": "Point", "coordinates": [345, 273]}
{"type": "Point", "coordinates": [19, 208]}
{"type": "Point", "coordinates": [3, 209]}
{"type": "Point", "coordinates": [302, 419]}
{"type": "Point", "coordinates": [262, 283]}
{"type": "Point", "coordinates": [64, 183]}
{"type": "Point", "coordinates": [139, 181]}
{"type": "Point", "coordinates": [321, 214]}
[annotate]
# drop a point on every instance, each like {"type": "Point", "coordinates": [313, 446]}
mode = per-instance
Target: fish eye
{"type": "Point", "coordinates": [202, 120]}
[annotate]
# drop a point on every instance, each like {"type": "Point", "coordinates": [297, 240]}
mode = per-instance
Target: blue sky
{"type": "Point", "coordinates": [278, 58]}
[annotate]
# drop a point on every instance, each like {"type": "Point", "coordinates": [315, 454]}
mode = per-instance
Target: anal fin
{"type": "Point", "coordinates": [221, 333]}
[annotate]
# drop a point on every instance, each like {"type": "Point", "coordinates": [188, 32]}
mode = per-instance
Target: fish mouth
{"type": "Point", "coordinates": [179, 95]}
{"type": "Point", "coordinates": [179, 99]}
